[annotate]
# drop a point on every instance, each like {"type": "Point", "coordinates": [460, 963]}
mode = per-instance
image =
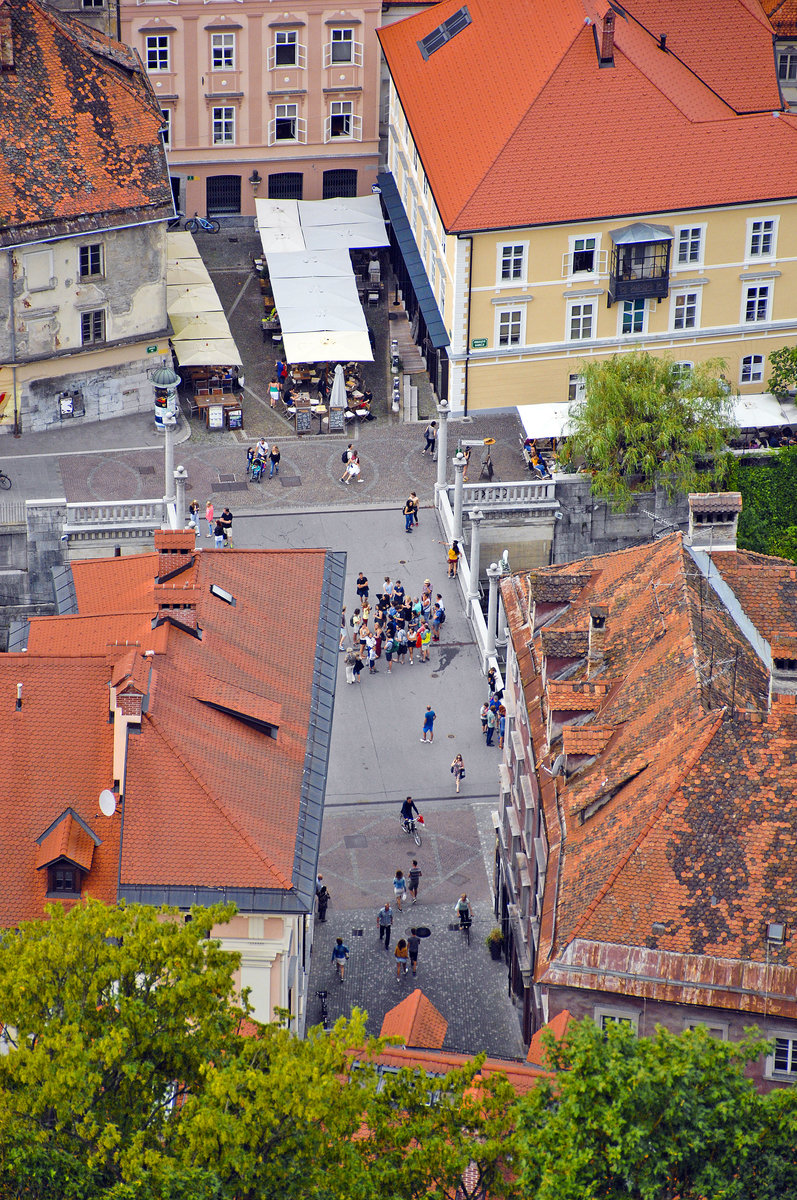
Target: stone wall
{"type": "Point", "coordinates": [586, 525]}
{"type": "Point", "coordinates": [28, 552]}
{"type": "Point", "coordinates": [107, 392]}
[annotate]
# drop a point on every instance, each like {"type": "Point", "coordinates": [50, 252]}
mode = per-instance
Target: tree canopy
{"type": "Point", "coordinates": [644, 419]}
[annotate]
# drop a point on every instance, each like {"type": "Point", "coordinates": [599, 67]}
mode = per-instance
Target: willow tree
{"type": "Point", "coordinates": [645, 420]}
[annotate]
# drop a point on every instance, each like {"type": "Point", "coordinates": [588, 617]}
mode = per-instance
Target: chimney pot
{"type": "Point", "coordinates": [713, 520]}
{"type": "Point", "coordinates": [607, 38]}
{"type": "Point", "coordinates": [598, 614]}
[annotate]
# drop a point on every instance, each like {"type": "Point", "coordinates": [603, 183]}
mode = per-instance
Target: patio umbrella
{"type": "Point", "coordinates": [337, 397]}
{"type": "Point", "coordinates": [199, 326]}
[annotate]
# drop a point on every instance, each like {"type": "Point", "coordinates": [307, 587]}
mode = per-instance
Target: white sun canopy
{"type": "Point", "coordinates": [544, 420]}
{"type": "Point", "coordinates": [306, 244]}
{"type": "Point", "coordinates": [201, 332]}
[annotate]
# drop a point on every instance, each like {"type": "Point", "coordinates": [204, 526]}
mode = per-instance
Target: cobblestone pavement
{"type": "Point", "coordinates": [359, 856]}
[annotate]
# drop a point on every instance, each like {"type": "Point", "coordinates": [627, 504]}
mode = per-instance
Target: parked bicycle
{"type": "Point", "coordinates": [5, 482]}
{"type": "Point", "coordinates": [462, 909]}
{"type": "Point", "coordinates": [322, 998]}
{"type": "Point", "coordinates": [209, 224]}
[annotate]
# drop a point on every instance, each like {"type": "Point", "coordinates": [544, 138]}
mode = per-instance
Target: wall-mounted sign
{"type": "Point", "coordinates": [478, 344]}
{"type": "Point", "coordinates": [152, 349]}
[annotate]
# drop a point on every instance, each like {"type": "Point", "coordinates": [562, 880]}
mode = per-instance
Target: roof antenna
{"type": "Point", "coordinates": [19, 697]}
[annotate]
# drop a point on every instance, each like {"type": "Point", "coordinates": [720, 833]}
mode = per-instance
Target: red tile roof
{"type": "Point", "coordinates": [69, 840]}
{"type": "Point", "coordinates": [417, 1022]}
{"type": "Point", "coordinates": [674, 837]}
{"type": "Point", "coordinates": [557, 1026]}
{"type": "Point", "coordinates": [705, 103]}
{"type": "Point", "coordinates": [783, 17]}
{"type": "Point", "coordinates": [79, 125]}
{"type": "Point", "coordinates": [211, 799]}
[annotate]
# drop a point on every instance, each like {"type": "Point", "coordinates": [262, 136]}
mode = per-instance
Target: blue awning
{"type": "Point", "coordinates": [413, 261]}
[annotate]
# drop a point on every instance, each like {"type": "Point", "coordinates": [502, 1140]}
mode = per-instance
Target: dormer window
{"type": "Point", "coordinates": [63, 879]}
{"type": "Point", "coordinates": [640, 266]}
{"type": "Point", "coordinates": [66, 851]}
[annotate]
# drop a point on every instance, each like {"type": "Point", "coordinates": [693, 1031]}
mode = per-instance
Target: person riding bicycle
{"type": "Point", "coordinates": [462, 909]}
{"type": "Point", "coordinates": [407, 809]}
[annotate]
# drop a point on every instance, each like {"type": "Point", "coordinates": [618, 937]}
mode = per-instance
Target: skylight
{"type": "Point", "coordinates": [444, 33]}
{"type": "Point", "coordinates": [227, 597]}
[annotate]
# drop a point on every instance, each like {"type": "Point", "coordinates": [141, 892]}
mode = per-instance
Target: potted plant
{"type": "Point", "coordinates": [495, 943]}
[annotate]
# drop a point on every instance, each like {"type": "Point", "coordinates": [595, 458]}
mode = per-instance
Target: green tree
{"type": "Point", "coordinates": [784, 370]}
{"type": "Point", "coordinates": [643, 421]}
{"type": "Point", "coordinates": [654, 1119]}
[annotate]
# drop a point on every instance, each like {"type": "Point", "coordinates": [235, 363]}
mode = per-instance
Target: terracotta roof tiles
{"type": "Point", "coordinates": [417, 1022]}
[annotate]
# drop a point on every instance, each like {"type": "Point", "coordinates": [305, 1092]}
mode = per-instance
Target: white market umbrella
{"type": "Point", "coordinates": [337, 397]}
{"type": "Point", "coordinates": [218, 352]}
{"type": "Point", "coordinates": [199, 299]}
{"type": "Point", "coordinates": [200, 327]}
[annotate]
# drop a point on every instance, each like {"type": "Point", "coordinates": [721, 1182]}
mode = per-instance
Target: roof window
{"type": "Point", "coordinates": [444, 33]}
{"type": "Point", "coordinates": [227, 597]}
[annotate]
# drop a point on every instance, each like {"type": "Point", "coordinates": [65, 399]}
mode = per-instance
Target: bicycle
{"type": "Point", "coordinates": [409, 825]}
{"type": "Point", "coordinates": [5, 482]}
{"type": "Point", "coordinates": [464, 925]}
{"type": "Point", "coordinates": [195, 223]}
{"type": "Point", "coordinates": [322, 996]}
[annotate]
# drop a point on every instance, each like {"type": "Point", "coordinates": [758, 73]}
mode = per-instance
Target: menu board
{"type": "Point", "coordinates": [303, 420]}
{"type": "Point", "coordinates": [216, 416]}
{"type": "Point", "coordinates": [337, 421]}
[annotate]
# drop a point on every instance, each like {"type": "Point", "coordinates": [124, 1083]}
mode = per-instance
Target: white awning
{"type": "Point", "coordinates": [364, 235]}
{"type": "Point", "coordinates": [199, 299]}
{"type": "Point", "coordinates": [218, 352]}
{"type": "Point", "coordinates": [762, 410]}
{"type": "Point", "coordinates": [345, 346]}
{"type": "Point", "coordinates": [343, 210]}
{"type": "Point", "coordinates": [544, 420]}
{"type": "Point", "coordinates": [277, 214]}
{"type": "Point", "coordinates": [180, 244]}
{"type": "Point", "coordinates": [327, 264]}
{"type": "Point", "coordinates": [190, 328]}
{"type": "Point", "coordinates": [187, 272]}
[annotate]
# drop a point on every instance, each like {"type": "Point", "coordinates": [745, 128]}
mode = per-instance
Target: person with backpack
{"type": "Point", "coordinates": [401, 644]}
{"type": "Point", "coordinates": [408, 512]}
{"type": "Point", "coordinates": [438, 617]}
{"type": "Point", "coordinates": [340, 956]}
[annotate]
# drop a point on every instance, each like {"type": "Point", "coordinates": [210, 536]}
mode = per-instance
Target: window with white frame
{"type": "Point", "coordinates": [166, 127]}
{"type": "Point", "coordinates": [783, 1060]}
{"type": "Point", "coordinates": [682, 371]}
{"type": "Point", "coordinates": [223, 125]}
{"type": "Point", "coordinates": [580, 320]}
{"type": "Point", "coordinates": [286, 125]}
{"type": "Point", "coordinates": [510, 326]}
{"type": "Point", "coordinates": [442, 292]}
{"type": "Point", "coordinates": [632, 316]}
{"type": "Point", "coordinates": [341, 122]}
{"type": "Point", "coordinates": [761, 241]}
{"type": "Point", "coordinates": [222, 51]}
{"type": "Point", "coordinates": [756, 302]}
{"type": "Point", "coordinates": [690, 244]}
{"type": "Point", "coordinates": [512, 262]}
{"type": "Point", "coordinates": [342, 50]}
{"type": "Point", "coordinates": [787, 65]}
{"type": "Point", "coordinates": [684, 310]}
{"type": "Point", "coordinates": [583, 252]}
{"type": "Point", "coordinates": [286, 51]}
{"type": "Point", "coordinates": [606, 1016]}
{"type": "Point", "coordinates": [576, 388]}
{"type": "Point", "coordinates": [157, 50]}
{"type": "Point", "coordinates": [752, 368]}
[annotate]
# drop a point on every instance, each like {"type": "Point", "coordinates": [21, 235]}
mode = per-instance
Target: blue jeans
{"type": "Point", "coordinates": [408, 522]}
{"type": "Point", "coordinates": [274, 469]}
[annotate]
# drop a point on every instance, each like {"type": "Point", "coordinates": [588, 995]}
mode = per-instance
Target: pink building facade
{"type": "Point", "coordinates": [261, 100]}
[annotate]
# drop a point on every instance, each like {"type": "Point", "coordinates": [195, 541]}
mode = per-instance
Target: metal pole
{"type": "Point", "coordinates": [476, 518]}
{"type": "Point", "coordinates": [460, 462]}
{"type": "Point", "coordinates": [493, 575]}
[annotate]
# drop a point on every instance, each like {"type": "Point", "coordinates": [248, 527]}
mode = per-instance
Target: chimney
{"type": "Point", "coordinates": [606, 44]}
{"type": "Point", "coordinates": [175, 551]}
{"type": "Point", "coordinates": [597, 637]}
{"type": "Point", "coordinates": [783, 672]}
{"type": "Point", "coordinates": [177, 603]}
{"type": "Point", "coordinates": [7, 62]}
{"type": "Point", "coordinates": [713, 520]}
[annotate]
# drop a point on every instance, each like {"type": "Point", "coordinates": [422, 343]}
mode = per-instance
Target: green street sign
{"type": "Point", "coordinates": [152, 349]}
{"type": "Point", "coordinates": [478, 344]}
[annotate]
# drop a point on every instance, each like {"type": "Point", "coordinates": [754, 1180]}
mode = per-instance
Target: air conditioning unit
{"type": "Point", "coordinates": [776, 933]}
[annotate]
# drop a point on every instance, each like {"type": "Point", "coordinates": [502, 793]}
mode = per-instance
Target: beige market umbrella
{"type": "Point", "coordinates": [199, 326]}
{"type": "Point", "coordinates": [192, 300]}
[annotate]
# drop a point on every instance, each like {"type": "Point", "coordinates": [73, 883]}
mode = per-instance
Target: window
{"type": "Point", "coordinates": [752, 368]}
{"type": "Point", "coordinates": [682, 371]}
{"type": "Point", "coordinates": [513, 260]}
{"type": "Point", "coordinates": [340, 115]}
{"type": "Point", "coordinates": [633, 316]}
{"type": "Point", "coordinates": [157, 47]}
{"type": "Point", "coordinates": [685, 311]}
{"type": "Point", "coordinates": [90, 260]}
{"type": "Point", "coordinates": [222, 195]}
{"type": "Point", "coordinates": [222, 51]}
{"type": "Point", "coordinates": [286, 48]}
{"type": "Point", "coordinates": [787, 65]}
{"type": "Point", "coordinates": [442, 292]}
{"type": "Point", "coordinates": [287, 185]}
{"type": "Point", "coordinates": [39, 269]}
{"type": "Point", "coordinates": [718, 1030]}
{"type": "Point", "coordinates": [616, 1016]}
{"type": "Point", "coordinates": [690, 246]}
{"type": "Point", "coordinates": [576, 391]}
{"type": "Point", "coordinates": [224, 126]}
{"type": "Point", "coordinates": [784, 1059]}
{"type": "Point", "coordinates": [580, 320]}
{"type": "Point", "coordinates": [93, 3]}
{"type": "Point", "coordinates": [342, 46]}
{"type": "Point", "coordinates": [756, 302]}
{"type": "Point", "coordinates": [762, 239]}
{"type": "Point", "coordinates": [339, 183]}
{"type": "Point", "coordinates": [286, 122]}
{"type": "Point", "coordinates": [63, 879]}
{"type": "Point", "coordinates": [166, 127]}
{"type": "Point", "coordinates": [583, 254]}
{"type": "Point", "coordinates": [92, 327]}
{"type": "Point", "coordinates": [509, 327]}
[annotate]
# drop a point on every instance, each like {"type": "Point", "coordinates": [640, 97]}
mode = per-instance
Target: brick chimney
{"type": "Point", "coordinates": [783, 673]}
{"type": "Point", "coordinates": [598, 614]}
{"type": "Point", "coordinates": [605, 34]}
{"type": "Point", "coordinates": [178, 604]}
{"type": "Point", "coordinates": [7, 61]}
{"type": "Point", "coordinates": [713, 520]}
{"type": "Point", "coordinates": [175, 551]}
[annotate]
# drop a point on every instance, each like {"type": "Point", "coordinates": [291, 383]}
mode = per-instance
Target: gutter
{"type": "Point", "coordinates": [467, 332]}
{"type": "Point", "coordinates": [13, 332]}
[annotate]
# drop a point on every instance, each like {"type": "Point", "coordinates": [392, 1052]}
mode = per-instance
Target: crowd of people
{"type": "Point", "coordinates": [399, 627]}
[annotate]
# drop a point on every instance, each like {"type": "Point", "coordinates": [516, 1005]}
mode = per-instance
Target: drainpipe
{"type": "Point", "coordinates": [13, 335]}
{"type": "Point", "coordinates": [467, 334]}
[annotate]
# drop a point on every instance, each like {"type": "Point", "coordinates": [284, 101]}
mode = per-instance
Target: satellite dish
{"type": "Point", "coordinates": [107, 802]}
{"type": "Point", "coordinates": [559, 765]}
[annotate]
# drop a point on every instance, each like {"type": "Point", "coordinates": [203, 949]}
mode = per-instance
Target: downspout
{"type": "Point", "coordinates": [13, 339]}
{"type": "Point", "coordinates": [467, 333]}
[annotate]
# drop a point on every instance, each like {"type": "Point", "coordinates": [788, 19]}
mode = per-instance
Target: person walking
{"type": "Point", "coordinates": [209, 517]}
{"type": "Point", "coordinates": [414, 501]}
{"type": "Point", "coordinates": [341, 646]}
{"type": "Point", "coordinates": [458, 770]}
{"type": "Point", "coordinates": [413, 945]}
{"type": "Point", "coordinates": [274, 391]}
{"type": "Point", "coordinates": [492, 721]}
{"type": "Point", "coordinates": [352, 470]}
{"type": "Point", "coordinates": [454, 553]}
{"type": "Point", "coordinates": [323, 897]}
{"type": "Point", "coordinates": [501, 725]}
{"type": "Point", "coordinates": [384, 922]}
{"type": "Point", "coordinates": [340, 955]}
{"type": "Point", "coordinates": [408, 513]}
{"type": "Point", "coordinates": [399, 889]}
{"type": "Point", "coordinates": [430, 433]}
{"type": "Point", "coordinates": [281, 371]}
{"type": "Point", "coordinates": [485, 708]}
{"type": "Point", "coordinates": [274, 460]}
{"type": "Point", "coordinates": [349, 662]}
{"type": "Point", "coordinates": [426, 641]}
{"type": "Point", "coordinates": [438, 617]}
{"type": "Point", "coordinates": [193, 515]}
{"type": "Point", "coordinates": [402, 956]}
{"type": "Point", "coordinates": [462, 909]}
{"type": "Point", "coordinates": [428, 723]}
{"type": "Point", "coordinates": [362, 587]}
{"type": "Point", "coordinates": [218, 533]}
{"type": "Point", "coordinates": [387, 646]}
{"type": "Point", "coordinates": [415, 879]}
{"type": "Point", "coordinates": [225, 520]}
